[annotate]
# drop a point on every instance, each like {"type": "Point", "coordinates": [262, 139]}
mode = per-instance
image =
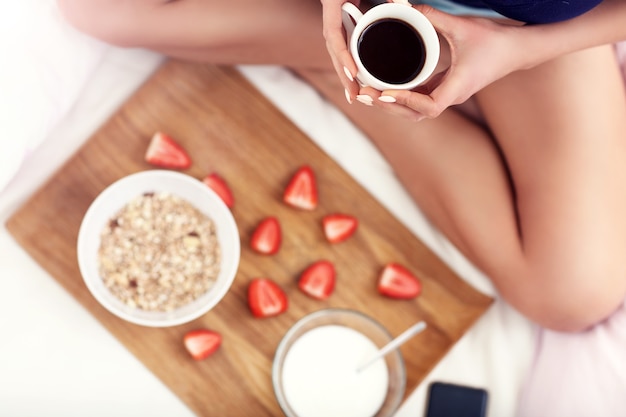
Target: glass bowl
{"type": "Point", "coordinates": [116, 196]}
{"type": "Point", "coordinates": [304, 352]}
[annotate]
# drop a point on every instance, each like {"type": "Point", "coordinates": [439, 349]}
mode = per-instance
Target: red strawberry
{"type": "Point", "coordinates": [165, 152]}
{"type": "Point", "coordinates": [397, 282]}
{"type": "Point", "coordinates": [202, 343]}
{"type": "Point", "coordinates": [318, 280]}
{"type": "Point", "coordinates": [221, 188]}
{"type": "Point", "coordinates": [339, 227]}
{"type": "Point", "coordinates": [267, 236]}
{"type": "Point", "coordinates": [266, 298]}
{"type": "Point", "coordinates": [301, 192]}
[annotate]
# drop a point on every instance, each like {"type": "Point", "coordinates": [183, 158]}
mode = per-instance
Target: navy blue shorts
{"type": "Point", "coordinates": [535, 11]}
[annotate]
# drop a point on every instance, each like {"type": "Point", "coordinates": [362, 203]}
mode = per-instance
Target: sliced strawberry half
{"type": "Point", "coordinates": [398, 282]}
{"type": "Point", "coordinates": [267, 236]}
{"type": "Point", "coordinates": [165, 152]}
{"type": "Point", "coordinates": [339, 227]}
{"type": "Point", "coordinates": [266, 298]}
{"type": "Point", "coordinates": [301, 191]}
{"type": "Point", "coordinates": [318, 280]}
{"type": "Point", "coordinates": [201, 343]}
{"type": "Point", "coordinates": [221, 188]}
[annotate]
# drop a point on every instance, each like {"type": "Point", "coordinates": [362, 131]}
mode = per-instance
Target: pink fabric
{"type": "Point", "coordinates": [579, 374]}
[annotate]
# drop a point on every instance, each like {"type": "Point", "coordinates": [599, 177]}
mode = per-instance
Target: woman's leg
{"type": "Point", "coordinates": [539, 204]}
{"type": "Point", "coordinates": [562, 130]}
{"type": "Point", "coordinates": [218, 31]}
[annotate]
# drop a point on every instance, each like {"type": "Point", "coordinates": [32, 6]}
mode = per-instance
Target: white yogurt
{"type": "Point", "coordinates": [320, 377]}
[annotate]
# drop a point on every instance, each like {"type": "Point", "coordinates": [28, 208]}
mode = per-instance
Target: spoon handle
{"type": "Point", "coordinates": [394, 344]}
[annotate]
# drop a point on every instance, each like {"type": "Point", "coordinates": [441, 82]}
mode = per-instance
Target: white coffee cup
{"type": "Point", "coordinates": [383, 12]}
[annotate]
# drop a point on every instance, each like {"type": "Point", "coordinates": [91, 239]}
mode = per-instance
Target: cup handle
{"type": "Point", "coordinates": [350, 14]}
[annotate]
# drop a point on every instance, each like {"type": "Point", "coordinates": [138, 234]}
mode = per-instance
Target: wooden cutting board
{"type": "Point", "coordinates": [229, 127]}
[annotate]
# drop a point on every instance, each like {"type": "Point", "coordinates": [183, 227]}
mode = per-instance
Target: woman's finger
{"type": "Point", "coordinates": [443, 23]}
{"type": "Point", "coordinates": [428, 105]}
{"type": "Point", "coordinates": [337, 46]}
{"type": "Point", "coordinates": [372, 97]}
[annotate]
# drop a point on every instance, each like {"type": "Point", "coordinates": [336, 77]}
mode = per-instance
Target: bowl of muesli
{"type": "Point", "coordinates": [158, 248]}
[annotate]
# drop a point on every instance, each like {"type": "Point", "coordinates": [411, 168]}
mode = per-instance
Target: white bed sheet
{"type": "Point", "coordinates": [55, 359]}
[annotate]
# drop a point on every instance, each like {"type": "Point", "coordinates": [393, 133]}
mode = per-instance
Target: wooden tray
{"type": "Point", "coordinates": [229, 127]}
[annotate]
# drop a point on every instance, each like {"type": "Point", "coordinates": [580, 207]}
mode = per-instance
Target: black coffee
{"type": "Point", "coordinates": [392, 51]}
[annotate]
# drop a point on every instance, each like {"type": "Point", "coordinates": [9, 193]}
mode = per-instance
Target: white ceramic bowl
{"type": "Point", "coordinates": [117, 195]}
{"type": "Point", "coordinates": [353, 320]}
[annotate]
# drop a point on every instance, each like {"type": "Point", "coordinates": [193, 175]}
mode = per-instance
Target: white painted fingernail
{"type": "Point", "coordinates": [365, 99]}
{"type": "Point", "coordinates": [387, 99]}
{"type": "Point", "coordinates": [347, 72]}
{"type": "Point", "coordinates": [348, 98]}
{"type": "Point", "coordinates": [402, 2]}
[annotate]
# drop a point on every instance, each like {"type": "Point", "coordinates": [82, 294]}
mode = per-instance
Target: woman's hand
{"type": "Point", "coordinates": [337, 46]}
{"type": "Point", "coordinates": [480, 51]}
{"type": "Point", "coordinates": [483, 51]}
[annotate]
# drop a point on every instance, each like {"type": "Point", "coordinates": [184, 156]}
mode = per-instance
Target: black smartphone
{"type": "Point", "coordinates": [451, 400]}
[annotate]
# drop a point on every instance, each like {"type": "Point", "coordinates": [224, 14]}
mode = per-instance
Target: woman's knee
{"type": "Point", "coordinates": [573, 299]}
{"type": "Point", "coordinates": [107, 20]}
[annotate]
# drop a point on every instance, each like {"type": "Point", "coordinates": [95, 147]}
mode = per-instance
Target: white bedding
{"type": "Point", "coordinates": [56, 89]}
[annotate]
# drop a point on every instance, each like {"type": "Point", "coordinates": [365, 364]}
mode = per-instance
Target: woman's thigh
{"type": "Point", "coordinates": [217, 31]}
{"type": "Point", "coordinates": [561, 128]}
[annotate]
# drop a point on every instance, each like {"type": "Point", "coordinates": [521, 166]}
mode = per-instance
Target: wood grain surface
{"type": "Point", "coordinates": [229, 127]}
